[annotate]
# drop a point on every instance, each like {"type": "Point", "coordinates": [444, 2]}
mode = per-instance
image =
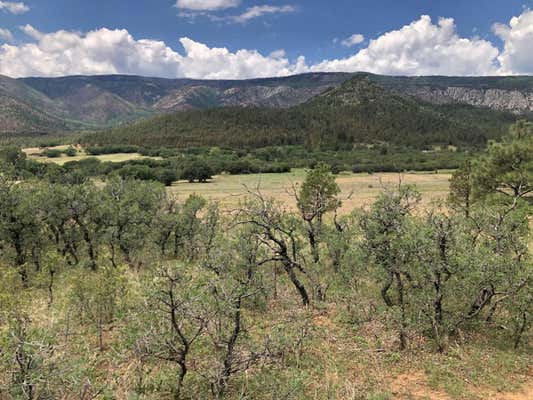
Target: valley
{"type": "Point", "coordinates": [338, 239]}
{"type": "Point", "coordinates": [266, 200]}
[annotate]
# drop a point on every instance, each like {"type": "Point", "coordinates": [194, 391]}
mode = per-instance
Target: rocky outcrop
{"type": "Point", "coordinates": [269, 96]}
{"type": "Point", "coordinates": [198, 97]}
{"type": "Point", "coordinates": [518, 102]}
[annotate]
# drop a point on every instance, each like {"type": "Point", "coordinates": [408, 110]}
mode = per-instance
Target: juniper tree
{"type": "Point", "coordinates": [389, 244]}
{"type": "Point", "coordinates": [317, 196]}
{"type": "Point", "coordinates": [507, 167]}
{"type": "Point", "coordinates": [278, 233]}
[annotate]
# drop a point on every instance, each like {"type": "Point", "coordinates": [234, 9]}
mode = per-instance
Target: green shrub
{"type": "Point", "coordinates": [52, 153]}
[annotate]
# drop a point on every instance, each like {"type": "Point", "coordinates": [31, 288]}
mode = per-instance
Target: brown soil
{"type": "Point", "coordinates": [414, 386]}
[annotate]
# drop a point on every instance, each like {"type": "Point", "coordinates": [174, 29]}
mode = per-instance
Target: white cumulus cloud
{"type": "Point", "coordinates": [353, 40]}
{"type": "Point", "coordinates": [207, 5]}
{"type": "Point", "coordinates": [6, 35]}
{"type": "Point", "coordinates": [106, 51]}
{"type": "Point", "coordinates": [14, 7]}
{"type": "Point", "coordinates": [32, 32]}
{"type": "Point", "coordinates": [259, 11]}
{"type": "Point", "coordinates": [202, 61]}
{"type": "Point", "coordinates": [102, 51]}
{"type": "Point", "coordinates": [421, 48]}
{"type": "Point", "coordinates": [517, 55]}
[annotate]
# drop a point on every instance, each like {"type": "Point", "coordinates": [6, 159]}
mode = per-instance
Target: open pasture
{"type": "Point", "coordinates": [358, 190]}
{"type": "Point", "coordinates": [35, 153]}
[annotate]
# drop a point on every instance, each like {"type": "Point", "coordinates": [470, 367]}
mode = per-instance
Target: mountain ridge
{"type": "Point", "coordinates": [74, 103]}
{"type": "Point", "coordinates": [359, 111]}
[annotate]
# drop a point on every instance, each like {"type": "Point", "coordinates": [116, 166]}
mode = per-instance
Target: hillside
{"type": "Point", "coordinates": [66, 104]}
{"type": "Point", "coordinates": [359, 111]}
{"type": "Point", "coordinates": [24, 110]}
{"type": "Point", "coordinates": [106, 100]}
{"type": "Point", "coordinates": [503, 93]}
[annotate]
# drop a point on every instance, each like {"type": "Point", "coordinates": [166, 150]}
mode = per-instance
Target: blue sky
{"type": "Point", "coordinates": [315, 29]}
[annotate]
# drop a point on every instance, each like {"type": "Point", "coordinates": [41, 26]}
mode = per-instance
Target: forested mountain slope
{"type": "Point", "coordinates": [67, 104]}
{"type": "Point", "coordinates": [26, 111]}
{"type": "Point", "coordinates": [359, 111]}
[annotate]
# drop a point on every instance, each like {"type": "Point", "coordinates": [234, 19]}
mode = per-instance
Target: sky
{"type": "Point", "coordinates": [240, 39]}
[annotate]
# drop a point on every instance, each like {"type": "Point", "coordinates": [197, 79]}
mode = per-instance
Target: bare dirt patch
{"type": "Point", "coordinates": [415, 386]}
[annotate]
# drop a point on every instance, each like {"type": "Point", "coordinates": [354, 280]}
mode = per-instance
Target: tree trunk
{"type": "Point", "coordinates": [289, 268]}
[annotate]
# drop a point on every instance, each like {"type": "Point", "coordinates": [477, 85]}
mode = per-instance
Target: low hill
{"type": "Point", "coordinates": [359, 111]}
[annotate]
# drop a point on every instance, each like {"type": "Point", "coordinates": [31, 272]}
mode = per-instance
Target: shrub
{"type": "Point", "coordinates": [112, 149]}
{"type": "Point", "coordinates": [70, 152]}
{"type": "Point", "coordinates": [52, 153]}
{"type": "Point", "coordinates": [167, 176]}
{"type": "Point", "coordinates": [141, 172]}
{"type": "Point", "coordinates": [198, 170]}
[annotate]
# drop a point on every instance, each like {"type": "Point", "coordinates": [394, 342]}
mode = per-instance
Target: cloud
{"type": "Point", "coordinates": [259, 11]}
{"type": "Point", "coordinates": [517, 55]}
{"type": "Point", "coordinates": [6, 35]}
{"type": "Point", "coordinates": [249, 14]}
{"type": "Point", "coordinates": [14, 7]}
{"type": "Point", "coordinates": [202, 61]}
{"type": "Point", "coordinates": [102, 51]}
{"type": "Point", "coordinates": [353, 40]}
{"type": "Point", "coordinates": [421, 48]}
{"type": "Point", "coordinates": [106, 51]}
{"type": "Point", "coordinates": [31, 32]}
{"type": "Point", "coordinates": [207, 5]}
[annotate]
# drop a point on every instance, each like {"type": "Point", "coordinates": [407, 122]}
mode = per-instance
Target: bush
{"type": "Point", "coordinates": [12, 155]}
{"type": "Point", "coordinates": [167, 176]}
{"type": "Point", "coordinates": [52, 153]}
{"type": "Point", "coordinates": [242, 166]}
{"type": "Point", "coordinates": [112, 149]}
{"type": "Point", "coordinates": [141, 172]}
{"type": "Point", "coordinates": [70, 152]}
{"type": "Point", "coordinates": [90, 166]}
{"type": "Point", "coordinates": [198, 170]}
{"type": "Point", "coordinates": [276, 168]}
{"type": "Point", "coordinates": [158, 152]}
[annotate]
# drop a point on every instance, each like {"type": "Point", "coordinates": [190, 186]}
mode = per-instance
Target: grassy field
{"type": "Point", "coordinates": [358, 190]}
{"type": "Point", "coordinates": [34, 153]}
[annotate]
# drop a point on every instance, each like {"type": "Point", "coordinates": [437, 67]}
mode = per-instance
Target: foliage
{"type": "Point", "coordinates": [317, 196]}
{"type": "Point", "coordinates": [52, 153]}
{"type": "Point", "coordinates": [329, 121]}
{"type": "Point", "coordinates": [95, 151]}
{"type": "Point", "coordinates": [197, 170]}
{"type": "Point", "coordinates": [507, 168]}
{"type": "Point", "coordinates": [70, 151]}
{"type": "Point", "coordinates": [461, 195]}
{"type": "Point", "coordinates": [115, 288]}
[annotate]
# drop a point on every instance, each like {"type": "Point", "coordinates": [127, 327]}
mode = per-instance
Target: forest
{"type": "Point", "coordinates": [113, 289]}
{"type": "Point", "coordinates": [359, 111]}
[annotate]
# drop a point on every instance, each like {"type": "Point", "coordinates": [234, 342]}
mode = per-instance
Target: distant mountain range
{"type": "Point", "coordinates": [358, 111]}
{"type": "Point", "coordinates": [35, 106]}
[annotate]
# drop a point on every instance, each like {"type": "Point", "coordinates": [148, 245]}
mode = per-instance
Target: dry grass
{"type": "Point", "coordinates": [358, 190]}
{"type": "Point", "coordinates": [35, 153]}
